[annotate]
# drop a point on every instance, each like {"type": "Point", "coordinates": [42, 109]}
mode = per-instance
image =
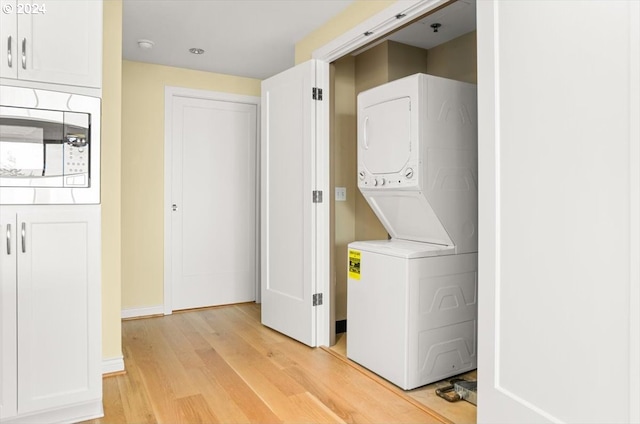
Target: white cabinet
{"type": "Point", "coordinates": [8, 309]}
{"type": "Point", "coordinates": [52, 41]}
{"type": "Point", "coordinates": [51, 331]}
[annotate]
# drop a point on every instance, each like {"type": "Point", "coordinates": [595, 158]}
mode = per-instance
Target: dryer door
{"type": "Point", "coordinates": [385, 136]}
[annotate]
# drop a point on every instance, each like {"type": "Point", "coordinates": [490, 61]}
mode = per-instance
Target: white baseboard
{"type": "Point", "coordinates": [142, 312]}
{"type": "Point", "coordinates": [67, 414]}
{"type": "Point", "coordinates": [111, 365]}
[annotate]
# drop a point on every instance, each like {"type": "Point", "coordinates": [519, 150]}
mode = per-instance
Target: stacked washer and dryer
{"type": "Point", "coordinates": [412, 300]}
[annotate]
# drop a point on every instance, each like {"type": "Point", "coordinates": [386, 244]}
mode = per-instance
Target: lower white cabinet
{"type": "Point", "coordinates": [50, 319]}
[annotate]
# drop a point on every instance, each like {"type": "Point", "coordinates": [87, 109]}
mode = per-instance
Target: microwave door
{"type": "Point", "coordinates": [21, 151]}
{"type": "Point", "coordinates": [24, 137]}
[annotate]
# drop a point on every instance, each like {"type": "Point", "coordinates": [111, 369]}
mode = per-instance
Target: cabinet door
{"type": "Point", "coordinates": [62, 43]}
{"type": "Point", "coordinates": [59, 314]}
{"type": "Point", "coordinates": [8, 363]}
{"type": "Point", "coordinates": [8, 40]}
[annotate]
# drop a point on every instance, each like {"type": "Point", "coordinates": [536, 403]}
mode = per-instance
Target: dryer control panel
{"type": "Point", "coordinates": [407, 178]}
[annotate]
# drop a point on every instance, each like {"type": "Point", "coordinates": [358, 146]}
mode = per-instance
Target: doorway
{"type": "Point", "coordinates": [211, 199]}
{"type": "Point", "coordinates": [392, 59]}
{"type": "Point", "coordinates": [449, 53]}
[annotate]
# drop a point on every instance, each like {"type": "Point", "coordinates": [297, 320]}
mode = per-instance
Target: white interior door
{"type": "Point", "coordinates": [559, 205]}
{"type": "Point", "coordinates": [213, 188]}
{"type": "Point", "coordinates": [287, 212]}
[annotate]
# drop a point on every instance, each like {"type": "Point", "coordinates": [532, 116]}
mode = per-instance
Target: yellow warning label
{"type": "Point", "coordinates": [354, 264]}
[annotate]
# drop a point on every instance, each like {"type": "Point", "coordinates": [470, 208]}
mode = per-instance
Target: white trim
{"type": "Point", "coordinates": [111, 365]}
{"type": "Point", "coordinates": [379, 25]}
{"type": "Point", "coordinates": [634, 212]}
{"type": "Point", "coordinates": [488, 206]}
{"type": "Point", "coordinates": [169, 93]}
{"type": "Point", "coordinates": [142, 312]}
{"type": "Point", "coordinates": [72, 413]}
{"type": "Point", "coordinates": [323, 210]}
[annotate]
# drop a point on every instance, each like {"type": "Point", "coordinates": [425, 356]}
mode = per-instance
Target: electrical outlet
{"type": "Point", "coordinates": [341, 194]}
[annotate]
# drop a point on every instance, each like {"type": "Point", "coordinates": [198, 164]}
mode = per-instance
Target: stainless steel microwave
{"type": "Point", "coordinates": [49, 147]}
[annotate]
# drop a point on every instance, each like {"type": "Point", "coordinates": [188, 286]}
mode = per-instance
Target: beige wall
{"type": "Point", "coordinates": [110, 175]}
{"type": "Point", "coordinates": [143, 170]}
{"type": "Point", "coordinates": [404, 60]}
{"type": "Point", "coordinates": [455, 59]}
{"type": "Point", "coordinates": [343, 152]}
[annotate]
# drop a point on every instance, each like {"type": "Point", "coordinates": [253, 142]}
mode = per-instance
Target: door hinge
{"type": "Point", "coordinates": [316, 93]}
{"type": "Point", "coordinates": [317, 196]}
{"type": "Point", "coordinates": [317, 299]}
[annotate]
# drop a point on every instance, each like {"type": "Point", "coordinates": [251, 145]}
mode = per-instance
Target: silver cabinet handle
{"type": "Point", "coordinates": [24, 53]}
{"type": "Point", "coordinates": [8, 239]}
{"type": "Point", "coordinates": [9, 52]}
{"type": "Point", "coordinates": [24, 237]}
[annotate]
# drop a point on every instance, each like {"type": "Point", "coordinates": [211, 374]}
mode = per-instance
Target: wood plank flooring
{"type": "Point", "coordinates": [457, 412]}
{"type": "Point", "coordinates": [220, 365]}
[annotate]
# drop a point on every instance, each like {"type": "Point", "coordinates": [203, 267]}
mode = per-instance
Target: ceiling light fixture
{"type": "Point", "coordinates": [196, 50]}
{"type": "Point", "coordinates": [145, 44]}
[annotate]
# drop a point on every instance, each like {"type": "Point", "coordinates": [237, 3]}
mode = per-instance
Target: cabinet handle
{"type": "Point", "coordinates": [24, 238]}
{"type": "Point", "coordinates": [8, 239]}
{"type": "Point", "coordinates": [24, 53]}
{"type": "Point", "coordinates": [9, 52]}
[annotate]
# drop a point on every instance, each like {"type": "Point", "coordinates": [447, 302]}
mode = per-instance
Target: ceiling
{"type": "Point", "coordinates": [255, 38]}
{"type": "Point", "coordinates": [250, 38]}
{"type": "Point", "coordinates": [455, 20]}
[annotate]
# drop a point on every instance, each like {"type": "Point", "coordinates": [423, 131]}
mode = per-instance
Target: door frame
{"type": "Point", "coordinates": [170, 93]}
{"type": "Point", "coordinates": [376, 27]}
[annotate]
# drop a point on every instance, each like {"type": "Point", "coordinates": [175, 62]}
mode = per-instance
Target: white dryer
{"type": "Point", "coordinates": [411, 300]}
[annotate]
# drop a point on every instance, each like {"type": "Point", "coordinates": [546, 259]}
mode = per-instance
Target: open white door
{"type": "Point", "coordinates": [559, 261]}
{"type": "Point", "coordinates": [288, 212]}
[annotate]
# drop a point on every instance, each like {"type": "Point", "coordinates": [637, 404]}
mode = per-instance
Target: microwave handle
{"type": "Point", "coordinates": [9, 52]}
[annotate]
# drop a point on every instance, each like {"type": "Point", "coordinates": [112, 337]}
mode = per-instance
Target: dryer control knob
{"type": "Point", "coordinates": [408, 173]}
{"type": "Point", "coordinates": [375, 182]}
{"type": "Point", "coordinates": [361, 175]}
{"type": "Point", "coordinates": [382, 181]}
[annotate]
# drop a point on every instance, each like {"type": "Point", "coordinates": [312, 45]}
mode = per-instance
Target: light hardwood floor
{"type": "Point", "coordinates": [220, 365]}
{"type": "Point", "coordinates": [458, 412]}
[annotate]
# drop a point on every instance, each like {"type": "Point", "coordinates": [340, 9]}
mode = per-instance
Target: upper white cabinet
{"type": "Point", "coordinates": [52, 41]}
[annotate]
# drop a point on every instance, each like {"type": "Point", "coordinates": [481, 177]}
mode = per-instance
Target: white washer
{"type": "Point", "coordinates": [412, 311]}
{"type": "Point", "coordinates": [412, 300]}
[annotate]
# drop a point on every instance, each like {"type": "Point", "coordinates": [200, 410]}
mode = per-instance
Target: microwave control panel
{"type": "Point", "coordinates": [76, 166]}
